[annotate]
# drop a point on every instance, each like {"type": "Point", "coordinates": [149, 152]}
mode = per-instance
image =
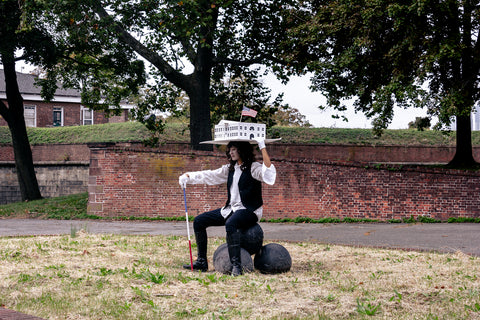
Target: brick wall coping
{"type": "Point", "coordinates": [286, 144]}
{"type": "Point", "coordinates": [49, 163]}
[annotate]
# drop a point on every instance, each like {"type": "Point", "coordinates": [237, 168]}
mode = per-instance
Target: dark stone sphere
{"type": "Point", "coordinates": [273, 258]}
{"type": "Point", "coordinates": [221, 260]}
{"type": "Point", "coordinates": [252, 239]}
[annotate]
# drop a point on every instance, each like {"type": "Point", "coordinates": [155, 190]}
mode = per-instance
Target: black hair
{"type": "Point", "coordinates": [245, 151]}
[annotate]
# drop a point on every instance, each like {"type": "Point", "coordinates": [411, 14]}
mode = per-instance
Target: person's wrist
{"type": "Point", "coordinates": [261, 144]}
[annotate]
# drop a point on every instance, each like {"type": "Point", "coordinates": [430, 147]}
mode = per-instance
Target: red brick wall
{"type": "Point", "coordinates": [123, 117]}
{"type": "Point", "coordinates": [139, 182]}
{"type": "Point", "coordinates": [6, 153]}
{"type": "Point", "coordinates": [50, 152]}
{"type": "Point", "coordinates": [368, 153]}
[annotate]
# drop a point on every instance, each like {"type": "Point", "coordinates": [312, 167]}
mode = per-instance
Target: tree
{"type": "Point", "coordinates": [190, 44]}
{"type": "Point", "coordinates": [420, 123]}
{"type": "Point", "coordinates": [34, 43]}
{"type": "Point", "coordinates": [230, 95]}
{"type": "Point", "coordinates": [386, 53]}
{"type": "Point", "coordinates": [290, 117]}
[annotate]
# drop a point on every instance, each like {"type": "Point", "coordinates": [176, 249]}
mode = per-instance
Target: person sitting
{"type": "Point", "coordinates": [244, 205]}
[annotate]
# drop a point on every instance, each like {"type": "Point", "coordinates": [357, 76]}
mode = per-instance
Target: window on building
{"type": "Point", "coordinates": [87, 116]}
{"type": "Point", "coordinates": [30, 115]}
{"type": "Point", "coordinates": [58, 117]}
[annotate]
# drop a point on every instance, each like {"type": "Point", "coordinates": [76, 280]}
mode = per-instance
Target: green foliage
{"type": "Point", "coordinates": [290, 117]}
{"type": "Point", "coordinates": [463, 220]}
{"type": "Point", "coordinates": [147, 275]}
{"type": "Point", "coordinates": [425, 219]}
{"type": "Point", "coordinates": [381, 54]}
{"type": "Point", "coordinates": [321, 220]}
{"type": "Point", "coordinates": [420, 123]}
{"type": "Point", "coordinates": [475, 307]}
{"type": "Point", "coordinates": [409, 220]}
{"type": "Point", "coordinates": [190, 47]}
{"type": "Point", "coordinates": [394, 221]}
{"type": "Point", "coordinates": [367, 308]}
{"type": "Point", "coordinates": [421, 219]}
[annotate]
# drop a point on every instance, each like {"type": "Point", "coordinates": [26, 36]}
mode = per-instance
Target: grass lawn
{"type": "Point", "coordinates": [65, 208]}
{"type": "Point", "coordinates": [86, 276]}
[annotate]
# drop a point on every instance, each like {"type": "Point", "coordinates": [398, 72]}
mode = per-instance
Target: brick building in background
{"type": "Point", "coordinates": [64, 110]}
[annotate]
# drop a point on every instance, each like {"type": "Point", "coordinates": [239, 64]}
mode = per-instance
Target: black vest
{"type": "Point", "coordinates": [250, 189]}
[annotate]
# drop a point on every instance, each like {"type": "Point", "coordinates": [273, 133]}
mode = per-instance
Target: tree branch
{"type": "Point", "coordinates": [187, 48]}
{"type": "Point", "coordinates": [237, 62]}
{"type": "Point", "coordinates": [170, 73]}
{"type": "Point", "coordinates": [248, 62]}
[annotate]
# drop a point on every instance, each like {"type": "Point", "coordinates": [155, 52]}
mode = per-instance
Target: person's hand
{"type": "Point", "coordinates": [261, 143]}
{"type": "Point", "coordinates": [182, 180]}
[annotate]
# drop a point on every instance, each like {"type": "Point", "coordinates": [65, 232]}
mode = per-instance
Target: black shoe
{"type": "Point", "coordinates": [201, 264]}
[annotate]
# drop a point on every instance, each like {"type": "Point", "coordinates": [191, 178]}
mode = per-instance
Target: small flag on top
{"type": "Point", "coordinates": [249, 112]}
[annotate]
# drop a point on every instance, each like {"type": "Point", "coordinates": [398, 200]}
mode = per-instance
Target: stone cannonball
{"type": "Point", "coordinates": [221, 260]}
{"type": "Point", "coordinates": [252, 239]}
{"type": "Point", "coordinates": [273, 258]}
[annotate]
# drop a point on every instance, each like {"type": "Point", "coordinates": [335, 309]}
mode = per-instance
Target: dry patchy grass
{"type": "Point", "coordinates": [140, 277]}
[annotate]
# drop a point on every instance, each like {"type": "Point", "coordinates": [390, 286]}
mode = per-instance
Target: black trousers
{"type": "Point", "coordinates": [240, 219]}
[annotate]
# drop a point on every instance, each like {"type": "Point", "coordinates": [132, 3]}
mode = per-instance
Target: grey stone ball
{"type": "Point", "coordinates": [221, 260]}
{"type": "Point", "coordinates": [273, 258]}
{"type": "Point", "coordinates": [252, 239]}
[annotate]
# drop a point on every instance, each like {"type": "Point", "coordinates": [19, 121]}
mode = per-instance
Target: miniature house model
{"type": "Point", "coordinates": [234, 130]}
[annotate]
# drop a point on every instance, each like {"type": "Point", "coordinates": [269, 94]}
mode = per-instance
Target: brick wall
{"type": "Point", "coordinates": [134, 181]}
{"type": "Point", "coordinates": [123, 117]}
{"type": "Point", "coordinates": [368, 153]}
{"type": "Point", "coordinates": [50, 152]}
{"type": "Point", "coordinates": [6, 152]}
{"type": "Point", "coordinates": [71, 114]}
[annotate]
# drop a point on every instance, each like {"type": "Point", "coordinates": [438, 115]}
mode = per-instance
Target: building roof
{"type": "Point", "coordinates": [30, 91]}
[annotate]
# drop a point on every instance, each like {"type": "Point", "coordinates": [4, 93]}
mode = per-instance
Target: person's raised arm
{"type": "Point", "coordinates": [265, 156]}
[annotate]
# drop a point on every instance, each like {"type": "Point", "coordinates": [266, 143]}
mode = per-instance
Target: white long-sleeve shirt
{"type": "Point", "coordinates": [259, 172]}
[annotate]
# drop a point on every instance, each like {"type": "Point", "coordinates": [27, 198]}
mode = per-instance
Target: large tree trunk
{"type": "Point", "coordinates": [463, 154]}
{"type": "Point", "coordinates": [27, 179]}
{"type": "Point", "coordinates": [199, 88]}
{"type": "Point", "coordinates": [200, 126]}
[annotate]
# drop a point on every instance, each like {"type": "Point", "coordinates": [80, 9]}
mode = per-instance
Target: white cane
{"type": "Point", "coordinates": [188, 229]}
